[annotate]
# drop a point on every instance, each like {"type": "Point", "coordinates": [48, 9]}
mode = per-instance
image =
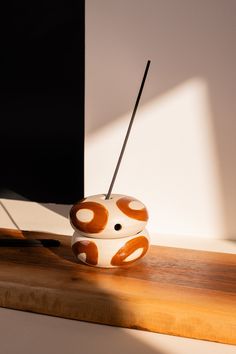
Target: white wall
{"type": "Point", "coordinates": [180, 160]}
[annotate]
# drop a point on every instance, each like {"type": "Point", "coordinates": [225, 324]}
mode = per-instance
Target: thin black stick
{"type": "Point", "coordinates": [128, 131]}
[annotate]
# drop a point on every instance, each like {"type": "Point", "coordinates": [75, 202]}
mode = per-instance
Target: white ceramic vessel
{"type": "Point", "coordinates": [110, 253]}
{"type": "Point", "coordinates": [109, 232]}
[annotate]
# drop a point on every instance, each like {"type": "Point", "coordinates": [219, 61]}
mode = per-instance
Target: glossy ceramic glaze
{"type": "Point", "coordinates": [110, 253]}
{"type": "Point", "coordinates": [116, 217]}
{"type": "Point", "coordinates": [109, 232]}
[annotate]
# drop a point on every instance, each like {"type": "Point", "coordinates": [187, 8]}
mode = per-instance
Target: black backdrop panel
{"type": "Point", "coordinates": [42, 100]}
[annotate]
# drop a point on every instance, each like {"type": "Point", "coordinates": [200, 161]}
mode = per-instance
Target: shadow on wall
{"type": "Point", "coordinates": [184, 40]}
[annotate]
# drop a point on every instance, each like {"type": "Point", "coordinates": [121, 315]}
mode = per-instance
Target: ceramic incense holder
{"type": "Point", "coordinates": [110, 228]}
{"type": "Point", "coordinates": [109, 232]}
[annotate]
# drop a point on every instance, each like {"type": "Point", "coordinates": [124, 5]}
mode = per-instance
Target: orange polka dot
{"type": "Point", "coordinates": [87, 247]}
{"type": "Point", "coordinates": [97, 224]}
{"type": "Point", "coordinates": [130, 247]}
{"type": "Point", "coordinates": [123, 205]}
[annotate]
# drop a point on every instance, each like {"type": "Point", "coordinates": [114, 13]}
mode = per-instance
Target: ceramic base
{"type": "Point", "coordinates": [110, 253]}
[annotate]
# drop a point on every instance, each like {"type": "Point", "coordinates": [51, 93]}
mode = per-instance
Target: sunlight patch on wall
{"type": "Point", "coordinates": [34, 216]}
{"type": "Point", "coordinates": [170, 162]}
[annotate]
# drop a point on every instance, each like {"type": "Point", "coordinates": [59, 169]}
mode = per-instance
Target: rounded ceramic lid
{"type": "Point", "coordinates": [116, 217]}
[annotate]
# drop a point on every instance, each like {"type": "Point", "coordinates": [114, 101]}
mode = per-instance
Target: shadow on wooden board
{"type": "Point", "coordinates": [172, 291]}
{"type": "Point", "coordinates": [76, 293]}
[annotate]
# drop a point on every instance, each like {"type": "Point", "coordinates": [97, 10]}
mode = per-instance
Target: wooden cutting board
{"type": "Point", "coordinates": [171, 290]}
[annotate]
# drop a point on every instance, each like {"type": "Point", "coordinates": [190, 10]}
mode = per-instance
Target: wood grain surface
{"type": "Point", "coordinates": [174, 291]}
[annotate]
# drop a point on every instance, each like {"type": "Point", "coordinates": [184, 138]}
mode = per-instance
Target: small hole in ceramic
{"type": "Point", "coordinates": [117, 227]}
{"type": "Point", "coordinates": [104, 197]}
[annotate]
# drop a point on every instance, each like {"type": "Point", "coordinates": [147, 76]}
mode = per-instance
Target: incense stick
{"type": "Point", "coordinates": [128, 130]}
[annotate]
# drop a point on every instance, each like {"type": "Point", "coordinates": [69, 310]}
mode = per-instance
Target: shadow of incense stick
{"type": "Point", "coordinates": [6, 242]}
{"type": "Point", "coordinates": [9, 215]}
